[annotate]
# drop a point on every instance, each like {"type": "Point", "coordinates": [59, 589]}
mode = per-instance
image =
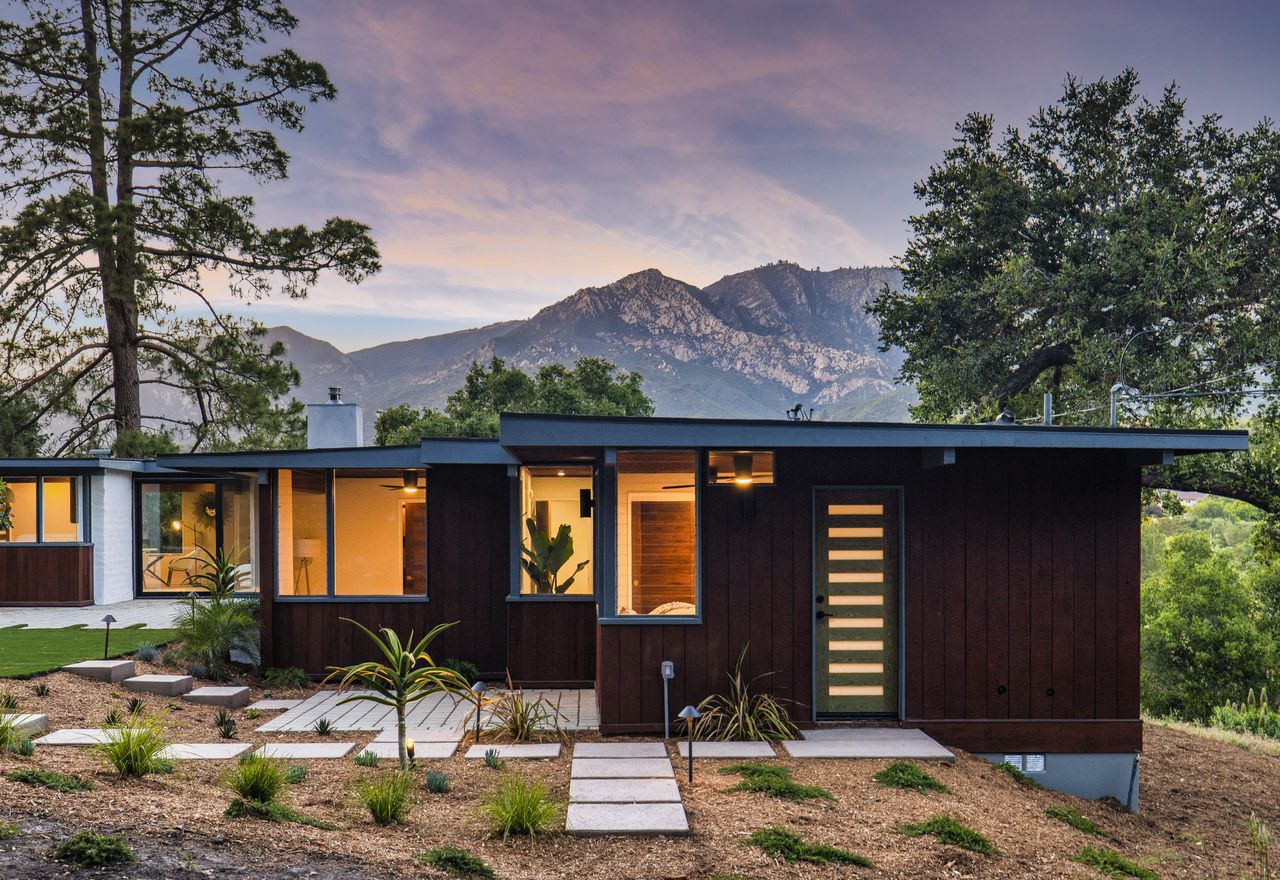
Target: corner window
{"type": "Point", "coordinates": [183, 525]}
{"type": "Point", "coordinates": [557, 538]}
{"type": "Point", "coordinates": [43, 510]}
{"type": "Point", "coordinates": [657, 533]}
{"type": "Point", "coordinates": [743, 468]}
{"type": "Point", "coordinates": [303, 538]}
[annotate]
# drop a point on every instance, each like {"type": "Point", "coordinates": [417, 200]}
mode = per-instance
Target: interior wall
{"type": "Point", "coordinates": [562, 494]}
{"type": "Point", "coordinates": [634, 487]}
{"type": "Point", "coordinates": [22, 507]}
{"type": "Point", "coordinates": [368, 553]}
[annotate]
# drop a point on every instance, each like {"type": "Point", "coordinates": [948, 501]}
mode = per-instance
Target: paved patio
{"type": "Point", "coordinates": [577, 709]}
{"type": "Point", "coordinates": [153, 613]}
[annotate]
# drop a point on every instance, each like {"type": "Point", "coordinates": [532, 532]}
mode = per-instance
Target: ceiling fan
{"type": "Point", "coordinates": [409, 484]}
{"type": "Point", "coordinates": [742, 462]}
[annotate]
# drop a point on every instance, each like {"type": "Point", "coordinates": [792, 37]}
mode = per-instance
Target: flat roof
{"type": "Point", "coordinates": [521, 430]}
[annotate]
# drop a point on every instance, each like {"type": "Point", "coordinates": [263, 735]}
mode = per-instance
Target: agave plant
{"type": "Point", "coordinates": [740, 714]}
{"type": "Point", "coordinates": [219, 575]}
{"type": "Point", "coordinates": [408, 675]}
{"type": "Point", "coordinates": [544, 556]}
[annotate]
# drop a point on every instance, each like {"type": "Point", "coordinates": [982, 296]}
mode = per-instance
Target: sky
{"type": "Point", "coordinates": [506, 154]}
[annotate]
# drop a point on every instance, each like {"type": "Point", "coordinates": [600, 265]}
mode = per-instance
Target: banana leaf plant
{"type": "Point", "coordinates": [6, 511]}
{"type": "Point", "coordinates": [544, 556]}
{"type": "Point", "coordinates": [408, 675]}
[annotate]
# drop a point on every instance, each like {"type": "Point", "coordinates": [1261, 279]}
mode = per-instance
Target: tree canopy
{"type": "Point", "coordinates": [591, 387]}
{"type": "Point", "coordinates": [1114, 240]}
{"type": "Point", "coordinates": [121, 121]}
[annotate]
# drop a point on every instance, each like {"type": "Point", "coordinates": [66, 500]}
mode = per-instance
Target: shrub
{"type": "Point", "coordinates": [1255, 715]}
{"type": "Point", "coordinates": [790, 847]}
{"type": "Point", "coordinates": [295, 775]}
{"type": "Point", "coordinates": [1073, 818]}
{"type": "Point", "coordinates": [133, 749]}
{"type": "Point", "coordinates": [198, 670]}
{"type": "Point", "coordinates": [437, 782]}
{"type": "Point", "coordinates": [386, 796]}
{"type": "Point", "coordinates": [519, 717]}
{"type": "Point", "coordinates": [225, 722]}
{"type": "Point", "coordinates": [322, 727]}
{"type": "Point", "coordinates": [905, 775]}
{"type": "Point", "coordinates": [146, 651]}
{"type": "Point", "coordinates": [1017, 775]}
{"type": "Point", "coordinates": [49, 779]}
{"type": "Point", "coordinates": [457, 862]}
{"type": "Point", "coordinates": [366, 759]}
{"type": "Point", "coordinates": [86, 849]}
{"type": "Point", "coordinates": [211, 629]}
{"type": "Point", "coordinates": [1111, 863]}
{"type": "Point", "coordinates": [9, 830]}
{"type": "Point", "coordinates": [741, 714]}
{"type": "Point", "coordinates": [949, 831]}
{"type": "Point", "coordinates": [466, 670]}
{"type": "Point", "coordinates": [25, 747]}
{"type": "Point", "coordinates": [774, 781]}
{"type": "Point", "coordinates": [287, 678]}
{"type": "Point", "coordinates": [257, 778]}
{"type": "Point", "coordinates": [171, 658]}
{"type": "Point", "coordinates": [491, 759]}
{"type": "Point", "coordinates": [519, 806]}
{"type": "Point", "coordinates": [41, 690]}
{"type": "Point", "coordinates": [252, 714]}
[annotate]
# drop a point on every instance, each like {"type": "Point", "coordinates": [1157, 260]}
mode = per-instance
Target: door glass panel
{"type": "Point", "coordinates": [302, 539]}
{"type": "Point", "coordinates": [557, 562]}
{"type": "Point", "coordinates": [179, 532]}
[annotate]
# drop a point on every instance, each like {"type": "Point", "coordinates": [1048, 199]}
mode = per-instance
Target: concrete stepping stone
{"type": "Point", "coordinates": [521, 751]}
{"type": "Point", "coordinates": [103, 670]}
{"type": "Point", "coordinates": [164, 685]}
{"type": "Point", "coordinates": [621, 768]}
{"type": "Point", "coordinates": [203, 751]}
{"type": "Point", "coordinates": [620, 750]}
{"type": "Point", "coordinates": [728, 750]}
{"type": "Point", "coordinates": [868, 742]}
{"type": "Point", "coordinates": [28, 724]}
{"type": "Point", "coordinates": [274, 705]}
{"type": "Point", "coordinates": [421, 735]}
{"type": "Point", "coordinates": [422, 751]}
{"type": "Point", "coordinates": [73, 736]}
{"type": "Point", "coordinates": [624, 791]}
{"type": "Point", "coordinates": [304, 751]}
{"type": "Point", "coordinates": [641, 819]}
{"type": "Point", "coordinates": [226, 697]}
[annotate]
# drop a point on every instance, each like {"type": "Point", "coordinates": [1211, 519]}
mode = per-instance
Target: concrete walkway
{"type": "Point", "coordinates": [624, 788]}
{"type": "Point", "coordinates": [867, 742]}
{"type": "Point", "coordinates": [153, 613]}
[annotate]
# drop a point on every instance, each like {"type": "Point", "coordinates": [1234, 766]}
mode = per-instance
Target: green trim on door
{"type": "Point", "coordinates": [855, 632]}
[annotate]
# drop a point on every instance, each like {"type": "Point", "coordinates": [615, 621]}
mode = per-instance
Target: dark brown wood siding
{"type": "Point", "coordinates": [552, 643]}
{"type": "Point", "coordinates": [46, 574]}
{"type": "Point", "coordinates": [1020, 598]}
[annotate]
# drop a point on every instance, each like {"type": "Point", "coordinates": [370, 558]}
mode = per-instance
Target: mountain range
{"type": "Point", "coordinates": [751, 345]}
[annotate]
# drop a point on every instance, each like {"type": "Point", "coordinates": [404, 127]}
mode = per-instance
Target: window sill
{"type": "Point", "coordinates": [651, 620]}
{"type": "Point", "coordinates": [533, 597]}
{"type": "Point", "coordinates": [398, 600]}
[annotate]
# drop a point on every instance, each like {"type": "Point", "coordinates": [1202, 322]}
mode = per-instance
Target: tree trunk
{"type": "Point", "coordinates": [1054, 357]}
{"type": "Point", "coordinates": [404, 749]}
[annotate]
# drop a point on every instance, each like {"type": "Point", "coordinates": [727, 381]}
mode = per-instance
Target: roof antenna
{"type": "Point", "coordinates": [798, 414]}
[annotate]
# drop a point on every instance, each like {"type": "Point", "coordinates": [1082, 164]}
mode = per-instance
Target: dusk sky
{"type": "Point", "coordinates": [506, 154]}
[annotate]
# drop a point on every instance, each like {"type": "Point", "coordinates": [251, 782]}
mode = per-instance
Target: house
{"type": "Point", "coordinates": [979, 582]}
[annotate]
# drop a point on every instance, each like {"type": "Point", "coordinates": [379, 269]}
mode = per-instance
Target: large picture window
{"type": "Point", "coordinates": [183, 525]}
{"type": "Point", "coordinates": [378, 543]}
{"type": "Point", "coordinates": [43, 509]}
{"type": "Point", "coordinates": [557, 540]}
{"type": "Point", "coordinates": [657, 533]}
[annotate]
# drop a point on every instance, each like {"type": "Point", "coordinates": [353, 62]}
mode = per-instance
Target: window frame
{"type": "Point", "coordinates": [219, 483]}
{"type": "Point", "coordinates": [607, 537]}
{"type": "Point", "coordinates": [78, 480]}
{"type": "Point", "coordinates": [330, 595]}
{"type": "Point", "coordinates": [706, 468]}
{"type": "Point", "coordinates": [517, 534]}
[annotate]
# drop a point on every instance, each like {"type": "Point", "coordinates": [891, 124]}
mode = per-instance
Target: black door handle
{"type": "Point", "coordinates": [821, 614]}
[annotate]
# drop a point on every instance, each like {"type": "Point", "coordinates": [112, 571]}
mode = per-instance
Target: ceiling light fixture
{"type": "Point", "coordinates": [742, 462]}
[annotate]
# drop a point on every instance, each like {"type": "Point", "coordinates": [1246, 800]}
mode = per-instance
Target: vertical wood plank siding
{"type": "Point", "coordinates": [1021, 598]}
{"type": "Point", "coordinates": [46, 574]}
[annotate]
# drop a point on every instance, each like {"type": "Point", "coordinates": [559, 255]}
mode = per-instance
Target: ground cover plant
{"type": "Point", "coordinates": [133, 749]}
{"type": "Point", "coordinates": [9, 830]}
{"type": "Point", "coordinates": [27, 652]}
{"type": "Point", "coordinates": [1073, 818]}
{"type": "Point", "coordinates": [773, 780]}
{"type": "Point", "coordinates": [742, 714]}
{"type": "Point", "coordinates": [455, 861]}
{"type": "Point", "coordinates": [519, 806]}
{"type": "Point", "coordinates": [437, 782]}
{"type": "Point", "coordinates": [791, 847]}
{"type": "Point", "coordinates": [295, 774]}
{"type": "Point", "coordinates": [907, 776]}
{"type": "Point", "coordinates": [90, 850]}
{"type": "Point", "coordinates": [49, 779]}
{"type": "Point", "coordinates": [950, 831]}
{"type": "Point", "coordinates": [287, 678]}
{"type": "Point", "coordinates": [1017, 775]}
{"type": "Point", "coordinates": [387, 796]}
{"type": "Point", "coordinates": [1111, 863]}
{"type": "Point", "coordinates": [492, 761]}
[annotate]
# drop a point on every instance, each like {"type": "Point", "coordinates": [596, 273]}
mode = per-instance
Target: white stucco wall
{"type": "Point", "coordinates": [111, 501]}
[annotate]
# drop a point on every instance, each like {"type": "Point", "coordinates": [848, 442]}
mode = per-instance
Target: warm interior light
{"type": "Point", "coordinates": [742, 469]}
{"type": "Point", "coordinates": [559, 473]}
{"type": "Point", "coordinates": [177, 525]}
{"type": "Point", "coordinates": [410, 482]}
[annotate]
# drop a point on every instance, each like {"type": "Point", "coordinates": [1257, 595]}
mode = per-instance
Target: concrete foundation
{"type": "Point", "coordinates": [1086, 776]}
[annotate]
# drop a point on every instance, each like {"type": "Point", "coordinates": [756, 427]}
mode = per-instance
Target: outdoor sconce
{"type": "Point", "coordinates": [742, 462]}
{"type": "Point", "coordinates": [477, 691]}
{"type": "Point", "coordinates": [690, 715]}
{"type": "Point", "coordinates": [585, 503]}
{"type": "Point", "coordinates": [106, 643]}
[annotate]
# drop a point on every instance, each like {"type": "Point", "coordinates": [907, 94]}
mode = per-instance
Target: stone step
{"type": "Point", "coordinates": [868, 742]}
{"type": "Point", "coordinates": [586, 820]}
{"type": "Point", "coordinates": [102, 670]}
{"type": "Point", "coordinates": [737, 750]}
{"type": "Point", "coordinates": [226, 697]}
{"type": "Point", "coordinates": [203, 751]}
{"type": "Point", "coordinates": [519, 751]}
{"type": "Point", "coordinates": [422, 751]}
{"type": "Point", "coordinates": [28, 725]}
{"type": "Point", "coordinates": [275, 705]}
{"type": "Point", "coordinates": [420, 735]}
{"type": "Point", "coordinates": [164, 685]}
{"type": "Point", "coordinates": [305, 751]}
{"type": "Point", "coordinates": [73, 736]}
{"type": "Point", "coordinates": [621, 768]}
{"type": "Point", "coordinates": [624, 791]}
{"type": "Point", "coordinates": [620, 750]}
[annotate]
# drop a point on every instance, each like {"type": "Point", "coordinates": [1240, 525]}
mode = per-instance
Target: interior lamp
{"type": "Point", "coordinates": [742, 462]}
{"type": "Point", "coordinates": [176, 525]}
{"type": "Point", "coordinates": [410, 482]}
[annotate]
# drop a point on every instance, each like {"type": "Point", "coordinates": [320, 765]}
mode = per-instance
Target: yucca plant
{"type": "Point", "coordinates": [136, 706]}
{"type": "Point", "coordinates": [408, 675]}
{"type": "Point", "coordinates": [133, 749]}
{"type": "Point", "coordinates": [113, 718]}
{"type": "Point", "coordinates": [322, 727]}
{"type": "Point", "coordinates": [225, 722]}
{"type": "Point", "coordinates": [41, 690]}
{"type": "Point", "coordinates": [740, 714]}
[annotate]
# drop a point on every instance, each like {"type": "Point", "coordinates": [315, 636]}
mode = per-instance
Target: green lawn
{"type": "Point", "coordinates": [27, 652]}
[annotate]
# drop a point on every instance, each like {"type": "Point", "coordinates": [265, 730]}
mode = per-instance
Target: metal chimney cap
{"type": "Point", "coordinates": [335, 394]}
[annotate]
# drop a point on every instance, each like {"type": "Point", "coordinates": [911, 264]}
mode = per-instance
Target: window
{"type": "Point", "coordinates": [739, 467]}
{"type": "Point", "coordinates": [378, 546]}
{"type": "Point", "coordinates": [657, 533]}
{"type": "Point", "coordinates": [43, 509]}
{"type": "Point", "coordinates": [558, 562]}
{"type": "Point", "coordinates": [185, 524]}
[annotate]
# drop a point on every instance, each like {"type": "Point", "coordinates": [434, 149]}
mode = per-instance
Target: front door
{"type": "Point", "coordinates": [856, 601]}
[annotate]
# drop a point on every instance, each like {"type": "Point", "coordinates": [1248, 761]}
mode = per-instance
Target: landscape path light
{"type": "Point", "coordinates": [408, 747]}
{"type": "Point", "coordinates": [690, 715]}
{"type": "Point", "coordinates": [478, 689]}
{"type": "Point", "coordinates": [106, 642]}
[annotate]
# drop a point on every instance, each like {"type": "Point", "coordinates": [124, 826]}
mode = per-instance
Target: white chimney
{"type": "Point", "coordinates": [334, 424]}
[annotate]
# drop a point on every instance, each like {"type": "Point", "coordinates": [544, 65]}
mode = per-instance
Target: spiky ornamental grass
{"type": "Point", "coordinates": [519, 806]}
{"type": "Point", "coordinates": [133, 748]}
{"type": "Point", "coordinates": [741, 714]}
{"type": "Point", "coordinates": [517, 716]}
{"type": "Point", "coordinates": [408, 675]}
{"type": "Point", "coordinates": [387, 796]}
{"type": "Point", "coordinates": [257, 778]}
